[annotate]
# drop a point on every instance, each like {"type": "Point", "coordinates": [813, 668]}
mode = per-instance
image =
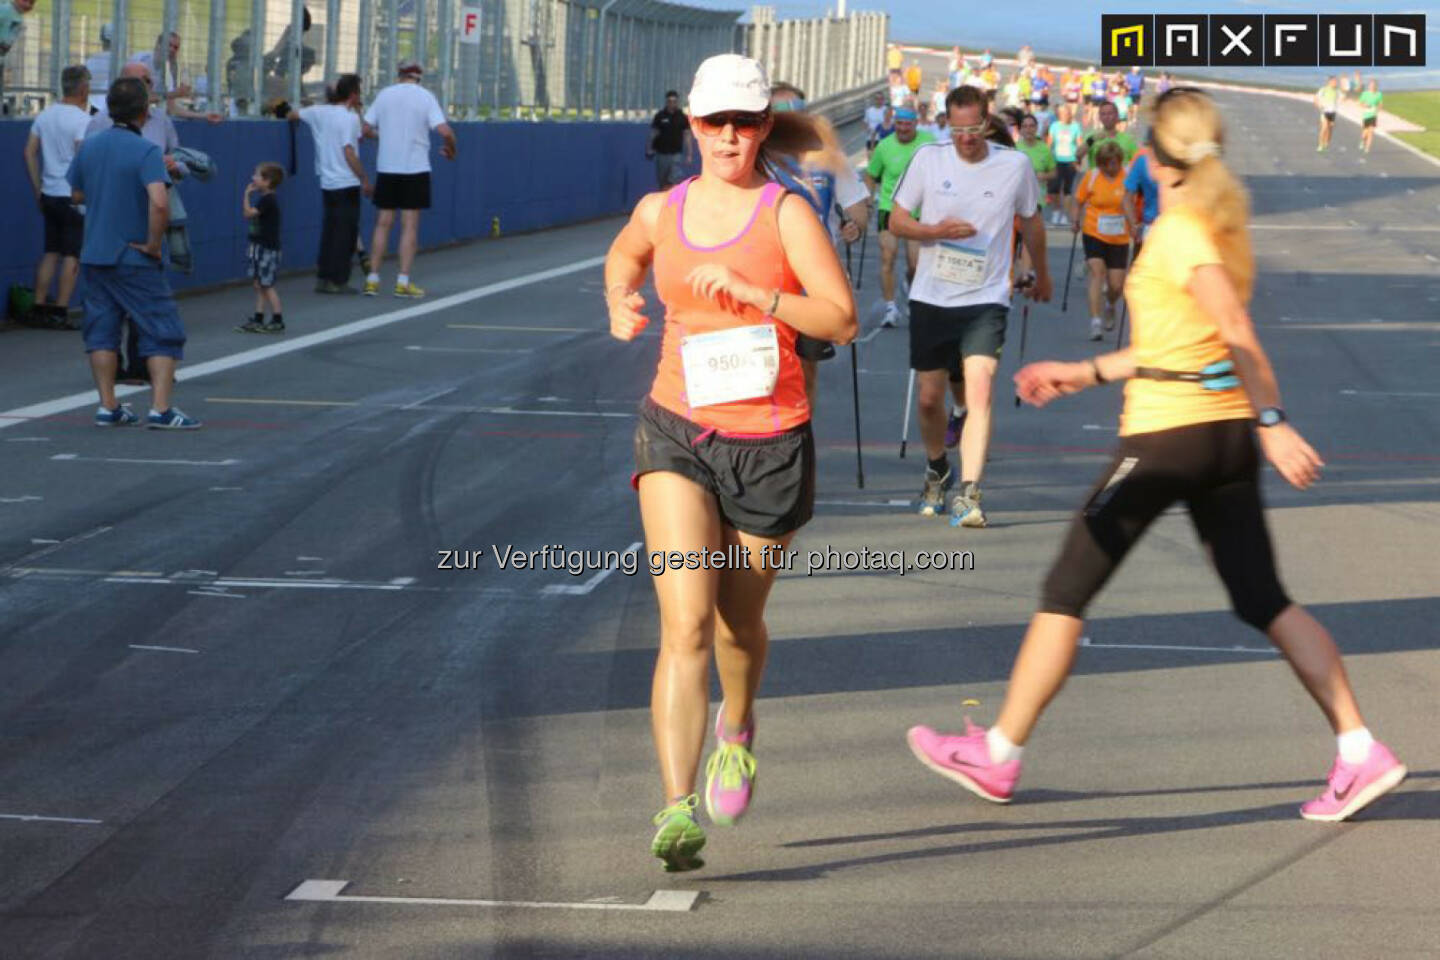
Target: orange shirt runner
{"type": "Point", "coordinates": [757, 256]}
{"type": "Point", "coordinates": [1104, 200]}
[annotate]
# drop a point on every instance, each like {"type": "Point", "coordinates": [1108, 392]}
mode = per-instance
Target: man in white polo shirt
{"type": "Point", "coordinates": [969, 194]}
{"type": "Point", "coordinates": [404, 113]}
{"type": "Point", "coordinates": [336, 128]}
{"type": "Point", "coordinates": [54, 139]}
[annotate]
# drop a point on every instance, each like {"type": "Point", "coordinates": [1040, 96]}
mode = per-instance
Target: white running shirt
{"type": "Point", "coordinates": [334, 127]}
{"type": "Point", "coordinates": [404, 113]}
{"type": "Point", "coordinates": [988, 195]}
{"type": "Point", "coordinates": [59, 128]}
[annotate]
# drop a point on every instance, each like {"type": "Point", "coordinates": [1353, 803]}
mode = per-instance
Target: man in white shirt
{"type": "Point", "coordinates": [874, 117]}
{"type": "Point", "coordinates": [403, 113]}
{"type": "Point", "coordinates": [969, 193]}
{"type": "Point", "coordinates": [336, 129]}
{"type": "Point", "coordinates": [55, 136]}
{"type": "Point", "coordinates": [99, 66]}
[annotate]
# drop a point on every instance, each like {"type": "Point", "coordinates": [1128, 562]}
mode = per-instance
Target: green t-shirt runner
{"type": "Point", "coordinates": [1329, 98]}
{"type": "Point", "coordinates": [888, 163]}
{"type": "Point", "coordinates": [1096, 138]}
{"type": "Point", "coordinates": [1370, 102]}
{"type": "Point", "coordinates": [1040, 158]}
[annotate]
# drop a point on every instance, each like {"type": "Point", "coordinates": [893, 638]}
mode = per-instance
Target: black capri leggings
{"type": "Point", "coordinates": [1215, 469]}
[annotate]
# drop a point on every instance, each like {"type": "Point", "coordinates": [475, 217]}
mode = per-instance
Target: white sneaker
{"type": "Point", "coordinates": [892, 316]}
{"type": "Point", "coordinates": [1109, 314]}
{"type": "Point", "coordinates": [1096, 329]}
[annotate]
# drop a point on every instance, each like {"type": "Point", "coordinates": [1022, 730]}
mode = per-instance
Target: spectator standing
{"type": "Point", "coordinates": [12, 25]}
{"type": "Point", "coordinates": [336, 128]}
{"type": "Point", "coordinates": [99, 66]}
{"type": "Point", "coordinates": [403, 113]}
{"type": "Point", "coordinates": [669, 138]}
{"type": "Point", "coordinates": [54, 138]}
{"type": "Point", "coordinates": [262, 258]}
{"type": "Point", "coordinates": [120, 176]}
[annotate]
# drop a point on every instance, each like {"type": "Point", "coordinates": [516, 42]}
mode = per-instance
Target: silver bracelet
{"type": "Point", "coordinates": [774, 304]}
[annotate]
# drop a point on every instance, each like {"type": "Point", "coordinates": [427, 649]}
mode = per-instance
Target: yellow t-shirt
{"type": "Point", "coordinates": [1171, 332]}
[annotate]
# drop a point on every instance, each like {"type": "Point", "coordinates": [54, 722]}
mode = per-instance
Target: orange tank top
{"type": "Point", "coordinates": [756, 256]}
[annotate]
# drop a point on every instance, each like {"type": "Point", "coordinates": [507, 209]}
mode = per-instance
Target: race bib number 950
{"type": "Point", "coordinates": [742, 363]}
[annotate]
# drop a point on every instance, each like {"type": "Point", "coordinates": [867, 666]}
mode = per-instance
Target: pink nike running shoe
{"type": "Point", "coordinates": [966, 760]}
{"type": "Point", "coordinates": [1353, 787]}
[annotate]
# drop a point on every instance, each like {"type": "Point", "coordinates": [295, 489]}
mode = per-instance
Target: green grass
{"type": "Point", "coordinates": [1423, 109]}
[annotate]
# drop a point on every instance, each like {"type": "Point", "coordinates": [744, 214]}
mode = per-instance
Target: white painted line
{"type": "Point", "coordinates": [310, 559]}
{"type": "Point", "coordinates": [164, 463]}
{"type": "Point", "coordinates": [74, 401]}
{"type": "Point", "coordinates": [581, 589]}
{"type": "Point", "coordinates": [27, 440]}
{"type": "Point", "coordinates": [489, 411]}
{"type": "Point", "coordinates": [23, 499]}
{"type": "Point", "coordinates": [1089, 644]}
{"type": "Point", "coordinates": [471, 349]}
{"type": "Point", "coordinates": [502, 328]}
{"type": "Point", "coordinates": [328, 891]}
{"type": "Point", "coordinates": [871, 335]}
{"type": "Point", "coordinates": [143, 646]}
{"type": "Point", "coordinates": [216, 593]}
{"type": "Point", "coordinates": [42, 540]}
{"type": "Point", "coordinates": [1100, 427]}
{"type": "Point", "coordinates": [402, 581]}
{"type": "Point", "coordinates": [862, 503]}
{"type": "Point", "coordinates": [1388, 393]}
{"type": "Point", "coordinates": [224, 489]}
{"type": "Point", "coordinates": [32, 817]}
{"type": "Point", "coordinates": [305, 573]}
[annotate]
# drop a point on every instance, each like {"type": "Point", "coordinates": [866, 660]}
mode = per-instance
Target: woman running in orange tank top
{"type": "Point", "coordinates": [725, 461]}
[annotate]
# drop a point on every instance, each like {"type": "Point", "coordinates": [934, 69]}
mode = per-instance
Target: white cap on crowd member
{"type": "Point", "coordinates": [729, 81]}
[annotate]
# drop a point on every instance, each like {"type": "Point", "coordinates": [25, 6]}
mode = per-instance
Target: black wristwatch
{"type": "Point", "coordinates": [1271, 416]}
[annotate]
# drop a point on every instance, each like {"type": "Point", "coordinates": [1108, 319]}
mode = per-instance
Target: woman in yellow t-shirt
{"type": "Point", "coordinates": [1100, 212]}
{"type": "Point", "coordinates": [1197, 374]}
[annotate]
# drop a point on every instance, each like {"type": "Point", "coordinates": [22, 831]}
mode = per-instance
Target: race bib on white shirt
{"type": "Point", "coordinates": [960, 263]}
{"type": "Point", "coordinates": [1112, 225]}
{"type": "Point", "coordinates": [741, 363]}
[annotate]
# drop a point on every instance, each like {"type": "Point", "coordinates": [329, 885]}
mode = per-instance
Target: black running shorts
{"type": "Point", "coordinates": [941, 336]}
{"type": "Point", "coordinates": [764, 486]}
{"type": "Point", "coordinates": [402, 191]}
{"type": "Point", "coordinates": [64, 226]}
{"type": "Point", "coordinates": [1115, 255]}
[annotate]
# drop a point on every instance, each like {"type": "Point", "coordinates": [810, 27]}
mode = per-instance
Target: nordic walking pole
{"type": "Point", "coordinates": [855, 390]}
{"type": "Point", "coordinates": [1024, 328]}
{"type": "Point", "coordinates": [1069, 271]}
{"type": "Point", "coordinates": [864, 239]}
{"type": "Point", "coordinates": [905, 427]}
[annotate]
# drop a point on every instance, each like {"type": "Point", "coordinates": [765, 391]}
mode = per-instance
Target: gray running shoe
{"type": "Point", "coordinates": [965, 508]}
{"type": "Point", "coordinates": [932, 497]}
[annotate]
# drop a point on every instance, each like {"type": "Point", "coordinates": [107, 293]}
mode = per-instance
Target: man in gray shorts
{"type": "Point", "coordinates": [669, 140]}
{"type": "Point", "coordinates": [969, 193]}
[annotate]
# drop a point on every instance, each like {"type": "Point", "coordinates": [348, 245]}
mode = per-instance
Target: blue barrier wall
{"type": "Point", "coordinates": [530, 175]}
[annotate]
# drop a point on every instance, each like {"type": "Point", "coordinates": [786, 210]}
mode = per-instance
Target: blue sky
{"type": "Point", "coordinates": [1073, 29]}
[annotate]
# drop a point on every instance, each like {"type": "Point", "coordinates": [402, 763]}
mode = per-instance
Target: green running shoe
{"type": "Point", "coordinates": [679, 838]}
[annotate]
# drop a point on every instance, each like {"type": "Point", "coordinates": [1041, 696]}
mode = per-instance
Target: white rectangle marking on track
{"type": "Point", "coordinates": [328, 891]}
{"type": "Point", "coordinates": [470, 349]}
{"type": "Point", "coordinates": [230, 462]}
{"type": "Point", "coordinates": [75, 401]}
{"type": "Point", "coordinates": [146, 646]}
{"type": "Point", "coordinates": [36, 818]}
{"type": "Point", "coordinates": [581, 589]}
{"type": "Point", "coordinates": [862, 503]}
{"type": "Point", "coordinates": [1089, 644]}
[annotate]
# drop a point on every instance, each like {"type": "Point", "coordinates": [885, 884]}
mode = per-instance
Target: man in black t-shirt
{"type": "Point", "coordinates": [669, 138]}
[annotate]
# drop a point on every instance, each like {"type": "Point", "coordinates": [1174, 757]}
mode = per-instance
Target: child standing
{"type": "Point", "coordinates": [263, 256]}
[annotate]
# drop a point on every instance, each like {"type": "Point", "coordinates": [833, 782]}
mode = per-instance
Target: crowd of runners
{"type": "Point", "coordinates": [749, 264]}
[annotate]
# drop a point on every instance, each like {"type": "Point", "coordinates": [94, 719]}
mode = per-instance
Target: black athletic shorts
{"type": "Point", "coordinates": [402, 191]}
{"type": "Point", "coordinates": [940, 335]}
{"type": "Point", "coordinates": [1214, 469]}
{"type": "Point", "coordinates": [765, 486]}
{"type": "Point", "coordinates": [1115, 255]}
{"type": "Point", "coordinates": [1330, 115]}
{"type": "Point", "coordinates": [1369, 121]}
{"type": "Point", "coordinates": [1064, 179]}
{"type": "Point", "coordinates": [884, 220]}
{"type": "Point", "coordinates": [811, 349]}
{"type": "Point", "coordinates": [64, 226]}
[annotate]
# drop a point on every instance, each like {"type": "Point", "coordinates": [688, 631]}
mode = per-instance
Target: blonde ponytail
{"type": "Point", "coordinates": [1186, 124]}
{"type": "Point", "coordinates": [803, 137]}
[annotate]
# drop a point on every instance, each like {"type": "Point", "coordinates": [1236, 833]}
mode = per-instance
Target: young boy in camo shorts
{"type": "Point", "coordinates": [263, 255]}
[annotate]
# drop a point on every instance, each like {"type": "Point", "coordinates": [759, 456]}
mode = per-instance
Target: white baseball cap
{"type": "Point", "coordinates": [729, 82]}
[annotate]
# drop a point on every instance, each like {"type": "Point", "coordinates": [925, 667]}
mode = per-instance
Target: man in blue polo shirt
{"type": "Point", "coordinates": [120, 177]}
{"type": "Point", "coordinates": [1140, 182]}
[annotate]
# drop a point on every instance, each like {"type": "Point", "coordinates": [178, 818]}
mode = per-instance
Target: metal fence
{"type": "Point", "coordinates": [606, 59]}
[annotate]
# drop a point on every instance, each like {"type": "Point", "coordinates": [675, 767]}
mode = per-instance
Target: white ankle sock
{"type": "Point", "coordinates": [957, 411]}
{"type": "Point", "coordinates": [403, 280]}
{"type": "Point", "coordinates": [1001, 749]}
{"type": "Point", "coordinates": [1355, 745]}
{"type": "Point", "coordinates": [372, 278]}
